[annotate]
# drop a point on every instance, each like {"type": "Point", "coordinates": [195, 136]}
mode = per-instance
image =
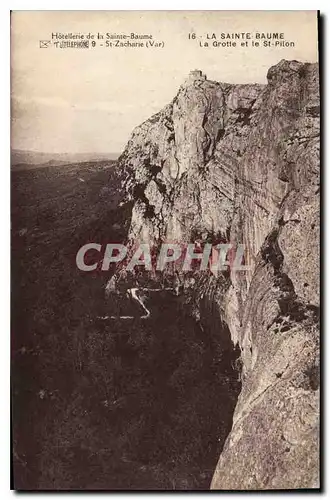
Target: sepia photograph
{"type": "Point", "coordinates": [165, 250]}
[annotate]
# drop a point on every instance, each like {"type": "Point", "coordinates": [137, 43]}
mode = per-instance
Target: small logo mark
{"type": "Point", "coordinates": [44, 44]}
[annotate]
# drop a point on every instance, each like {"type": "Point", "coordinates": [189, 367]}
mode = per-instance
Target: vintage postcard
{"type": "Point", "coordinates": [165, 199]}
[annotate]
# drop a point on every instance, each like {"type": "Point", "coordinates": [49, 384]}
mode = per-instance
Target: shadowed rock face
{"type": "Point", "coordinates": [241, 162]}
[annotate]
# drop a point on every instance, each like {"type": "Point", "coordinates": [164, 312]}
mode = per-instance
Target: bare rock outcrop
{"type": "Point", "coordinates": [241, 163]}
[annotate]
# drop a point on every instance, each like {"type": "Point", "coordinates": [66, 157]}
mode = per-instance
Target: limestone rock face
{"type": "Point", "coordinates": [241, 162]}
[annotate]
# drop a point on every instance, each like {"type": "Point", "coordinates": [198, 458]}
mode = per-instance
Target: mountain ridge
{"type": "Point", "coordinates": [241, 163]}
{"type": "Point", "coordinates": [38, 158]}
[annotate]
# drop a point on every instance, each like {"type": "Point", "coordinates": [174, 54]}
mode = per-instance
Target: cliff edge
{"type": "Point", "coordinates": [240, 163]}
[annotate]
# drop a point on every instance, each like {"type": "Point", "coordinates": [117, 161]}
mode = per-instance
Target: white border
{"type": "Point", "coordinates": [5, 169]}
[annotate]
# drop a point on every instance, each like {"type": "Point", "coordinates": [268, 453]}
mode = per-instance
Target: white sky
{"type": "Point", "coordinates": [71, 100]}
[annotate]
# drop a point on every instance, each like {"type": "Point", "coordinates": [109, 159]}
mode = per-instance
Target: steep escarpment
{"type": "Point", "coordinates": [240, 163]}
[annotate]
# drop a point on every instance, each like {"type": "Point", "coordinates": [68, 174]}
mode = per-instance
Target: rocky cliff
{"type": "Point", "coordinates": [240, 163]}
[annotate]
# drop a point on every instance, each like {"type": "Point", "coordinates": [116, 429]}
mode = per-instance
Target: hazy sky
{"type": "Point", "coordinates": [76, 100]}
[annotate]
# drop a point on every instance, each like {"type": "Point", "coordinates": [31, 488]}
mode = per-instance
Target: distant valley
{"type": "Point", "coordinates": [25, 159]}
